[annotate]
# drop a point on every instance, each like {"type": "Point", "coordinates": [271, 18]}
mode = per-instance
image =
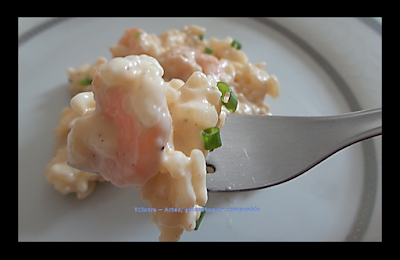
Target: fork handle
{"type": "Point", "coordinates": [358, 126]}
{"type": "Point", "coordinates": [263, 151]}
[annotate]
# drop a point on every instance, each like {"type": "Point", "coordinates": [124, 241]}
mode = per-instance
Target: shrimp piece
{"type": "Point", "coordinates": [135, 41]}
{"type": "Point", "coordinates": [180, 62]}
{"type": "Point", "coordinates": [123, 139]}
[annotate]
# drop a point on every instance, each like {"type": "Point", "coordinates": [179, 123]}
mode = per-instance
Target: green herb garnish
{"type": "Point", "coordinates": [232, 103]}
{"type": "Point", "coordinates": [211, 138]}
{"type": "Point", "coordinates": [200, 219]}
{"type": "Point", "coordinates": [208, 50]}
{"type": "Point", "coordinates": [235, 44]}
{"type": "Point", "coordinates": [136, 35]}
{"type": "Point", "coordinates": [201, 37]}
{"type": "Point", "coordinates": [85, 81]}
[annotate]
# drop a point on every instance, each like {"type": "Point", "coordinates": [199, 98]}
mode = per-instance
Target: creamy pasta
{"type": "Point", "coordinates": [138, 119]}
{"type": "Point", "coordinates": [86, 71]}
{"type": "Point", "coordinates": [183, 52]}
{"type": "Point", "coordinates": [65, 178]}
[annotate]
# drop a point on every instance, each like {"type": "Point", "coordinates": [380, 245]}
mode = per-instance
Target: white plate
{"type": "Point", "coordinates": [325, 67]}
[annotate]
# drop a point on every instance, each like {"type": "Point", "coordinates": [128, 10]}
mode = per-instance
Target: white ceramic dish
{"type": "Point", "coordinates": [325, 66]}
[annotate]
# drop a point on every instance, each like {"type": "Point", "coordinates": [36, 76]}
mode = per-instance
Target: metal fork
{"type": "Point", "coordinates": [262, 151]}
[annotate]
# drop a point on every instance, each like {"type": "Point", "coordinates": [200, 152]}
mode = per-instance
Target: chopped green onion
{"type": "Point", "coordinates": [201, 37]}
{"type": "Point", "coordinates": [236, 44]}
{"type": "Point", "coordinates": [211, 138]}
{"type": "Point", "coordinates": [232, 103]}
{"type": "Point", "coordinates": [200, 219]}
{"type": "Point", "coordinates": [208, 50]}
{"type": "Point", "coordinates": [136, 35]}
{"type": "Point", "coordinates": [85, 81]}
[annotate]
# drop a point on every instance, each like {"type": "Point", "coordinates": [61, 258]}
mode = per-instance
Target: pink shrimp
{"type": "Point", "coordinates": [180, 62]}
{"type": "Point", "coordinates": [136, 41]}
{"type": "Point", "coordinates": [112, 141]}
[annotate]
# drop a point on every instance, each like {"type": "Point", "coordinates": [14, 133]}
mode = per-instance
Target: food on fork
{"type": "Point", "coordinates": [148, 118]}
{"type": "Point", "coordinates": [130, 124]}
{"type": "Point", "coordinates": [131, 138]}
